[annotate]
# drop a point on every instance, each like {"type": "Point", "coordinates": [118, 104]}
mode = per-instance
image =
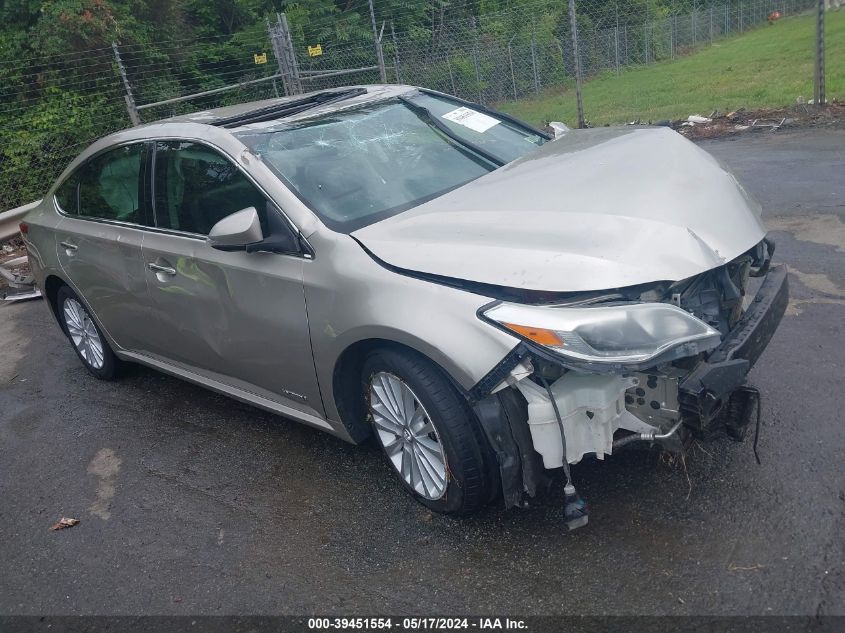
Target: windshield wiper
{"type": "Point", "coordinates": [426, 115]}
{"type": "Point", "coordinates": [493, 113]}
{"type": "Point", "coordinates": [288, 108]}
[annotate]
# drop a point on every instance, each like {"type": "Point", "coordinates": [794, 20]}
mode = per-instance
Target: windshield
{"type": "Point", "coordinates": [357, 166]}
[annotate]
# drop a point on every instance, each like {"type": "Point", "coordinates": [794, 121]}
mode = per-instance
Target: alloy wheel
{"type": "Point", "coordinates": [408, 435]}
{"type": "Point", "coordinates": [83, 333]}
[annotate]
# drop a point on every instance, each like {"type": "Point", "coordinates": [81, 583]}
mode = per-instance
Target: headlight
{"type": "Point", "coordinates": [618, 334]}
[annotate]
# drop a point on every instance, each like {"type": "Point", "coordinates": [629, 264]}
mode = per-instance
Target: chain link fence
{"type": "Point", "coordinates": [52, 107]}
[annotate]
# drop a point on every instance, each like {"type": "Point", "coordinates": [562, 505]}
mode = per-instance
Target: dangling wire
{"type": "Point", "coordinates": [560, 423]}
{"type": "Point", "coordinates": [575, 511]}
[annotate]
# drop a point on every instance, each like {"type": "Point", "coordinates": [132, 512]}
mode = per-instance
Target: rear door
{"type": "Point", "coordinates": [104, 207]}
{"type": "Point", "coordinates": [237, 317]}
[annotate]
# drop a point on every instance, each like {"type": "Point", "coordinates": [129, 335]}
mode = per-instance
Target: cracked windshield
{"type": "Point", "coordinates": [361, 165]}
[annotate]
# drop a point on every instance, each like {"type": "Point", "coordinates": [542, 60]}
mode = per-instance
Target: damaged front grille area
{"type": "Point", "coordinates": [703, 393]}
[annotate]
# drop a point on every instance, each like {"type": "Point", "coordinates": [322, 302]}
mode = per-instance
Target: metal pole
{"type": "Point", "coordinates": [475, 62]}
{"type": "Point", "coordinates": [625, 39]}
{"type": "Point", "coordinates": [395, 54]}
{"type": "Point", "coordinates": [379, 53]}
{"type": "Point", "coordinates": [672, 24]}
{"type": "Point", "coordinates": [573, 28]}
{"type": "Point", "coordinates": [275, 42]}
{"type": "Point", "coordinates": [534, 63]}
{"type": "Point", "coordinates": [616, 45]}
{"type": "Point", "coordinates": [513, 75]}
{"type": "Point", "coordinates": [711, 25]}
{"type": "Point", "coordinates": [694, 27]}
{"type": "Point", "coordinates": [818, 83]}
{"type": "Point", "coordinates": [134, 117]}
{"type": "Point", "coordinates": [285, 55]}
{"type": "Point", "coordinates": [616, 37]}
{"type": "Point", "coordinates": [451, 76]}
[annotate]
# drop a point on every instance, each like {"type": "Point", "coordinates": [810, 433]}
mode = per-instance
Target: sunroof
{"type": "Point", "coordinates": [289, 108]}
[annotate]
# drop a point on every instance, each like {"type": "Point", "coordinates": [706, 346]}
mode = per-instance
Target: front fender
{"type": "Point", "coordinates": [351, 298]}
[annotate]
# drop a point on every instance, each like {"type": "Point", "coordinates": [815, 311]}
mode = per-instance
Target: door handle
{"type": "Point", "coordinates": [68, 246]}
{"type": "Point", "coordinates": [166, 270]}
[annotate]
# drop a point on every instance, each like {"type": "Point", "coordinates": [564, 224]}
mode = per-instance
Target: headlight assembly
{"type": "Point", "coordinates": [632, 333]}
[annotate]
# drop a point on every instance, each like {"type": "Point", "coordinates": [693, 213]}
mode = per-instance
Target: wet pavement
{"type": "Point", "coordinates": [191, 503]}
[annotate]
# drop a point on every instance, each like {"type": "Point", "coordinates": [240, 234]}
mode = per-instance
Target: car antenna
{"type": "Point", "coordinates": [574, 507]}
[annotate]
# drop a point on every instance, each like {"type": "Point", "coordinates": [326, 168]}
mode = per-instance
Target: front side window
{"type": "Point", "coordinates": [109, 186]}
{"type": "Point", "coordinates": [196, 187]}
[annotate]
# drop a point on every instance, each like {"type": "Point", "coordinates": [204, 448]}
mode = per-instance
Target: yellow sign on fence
{"type": "Point", "coordinates": [260, 59]}
{"type": "Point", "coordinates": [315, 51]}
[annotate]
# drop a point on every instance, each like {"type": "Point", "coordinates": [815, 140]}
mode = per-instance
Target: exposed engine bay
{"type": "Point", "coordinates": [574, 406]}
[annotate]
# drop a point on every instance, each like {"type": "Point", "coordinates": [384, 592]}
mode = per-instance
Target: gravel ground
{"type": "Point", "coordinates": [191, 503]}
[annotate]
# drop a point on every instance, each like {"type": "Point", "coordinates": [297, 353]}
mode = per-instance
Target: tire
{"type": "Point", "coordinates": [467, 483]}
{"type": "Point", "coordinates": [85, 336]}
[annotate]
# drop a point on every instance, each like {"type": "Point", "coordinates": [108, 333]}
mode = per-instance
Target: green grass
{"type": "Point", "coordinates": [770, 66]}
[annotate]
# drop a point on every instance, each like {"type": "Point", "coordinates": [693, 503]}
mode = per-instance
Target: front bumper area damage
{"type": "Point", "coordinates": [533, 394]}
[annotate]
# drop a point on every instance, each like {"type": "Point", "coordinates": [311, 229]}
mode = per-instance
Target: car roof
{"type": "Point", "coordinates": [359, 95]}
{"type": "Point", "coordinates": [205, 125]}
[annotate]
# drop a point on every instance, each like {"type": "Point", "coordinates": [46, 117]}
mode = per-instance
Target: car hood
{"type": "Point", "coordinates": [593, 210]}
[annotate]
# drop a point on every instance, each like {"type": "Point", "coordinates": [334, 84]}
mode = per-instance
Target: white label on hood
{"type": "Point", "coordinates": [477, 121]}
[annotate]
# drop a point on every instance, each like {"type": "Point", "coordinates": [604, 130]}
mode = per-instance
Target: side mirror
{"type": "Point", "coordinates": [237, 231]}
{"type": "Point", "coordinates": [558, 128]}
{"type": "Point", "coordinates": [281, 238]}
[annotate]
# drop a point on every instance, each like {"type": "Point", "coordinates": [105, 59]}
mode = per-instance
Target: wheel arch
{"type": "Point", "coordinates": [52, 284]}
{"type": "Point", "coordinates": [346, 380]}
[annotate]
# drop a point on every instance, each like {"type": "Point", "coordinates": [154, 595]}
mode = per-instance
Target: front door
{"type": "Point", "coordinates": [238, 317]}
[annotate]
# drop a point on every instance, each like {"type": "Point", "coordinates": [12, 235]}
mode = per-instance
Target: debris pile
{"type": "Point", "coordinates": [718, 124]}
{"type": "Point", "coordinates": [16, 282]}
{"type": "Point", "coordinates": [10, 251]}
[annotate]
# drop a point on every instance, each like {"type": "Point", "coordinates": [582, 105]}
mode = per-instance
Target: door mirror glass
{"type": "Point", "coordinates": [236, 231]}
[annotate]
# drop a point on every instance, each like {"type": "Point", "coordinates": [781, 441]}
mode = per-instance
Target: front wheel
{"type": "Point", "coordinates": [88, 341]}
{"type": "Point", "coordinates": [427, 432]}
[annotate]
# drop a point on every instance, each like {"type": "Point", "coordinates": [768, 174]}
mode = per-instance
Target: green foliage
{"type": "Point", "coordinates": [60, 89]}
{"type": "Point", "coordinates": [52, 126]}
{"type": "Point", "coordinates": [771, 66]}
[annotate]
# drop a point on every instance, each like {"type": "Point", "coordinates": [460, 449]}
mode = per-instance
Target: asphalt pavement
{"type": "Point", "coordinates": [191, 503]}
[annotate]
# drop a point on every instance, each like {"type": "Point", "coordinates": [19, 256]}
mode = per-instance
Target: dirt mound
{"type": "Point", "coordinates": [766, 119]}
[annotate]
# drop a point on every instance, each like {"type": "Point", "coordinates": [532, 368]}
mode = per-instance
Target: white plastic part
{"type": "Point", "coordinates": [558, 128]}
{"type": "Point", "coordinates": [592, 409]}
{"type": "Point", "coordinates": [523, 370]}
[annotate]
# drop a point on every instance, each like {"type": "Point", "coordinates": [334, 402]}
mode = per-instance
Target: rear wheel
{"type": "Point", "coordinates": [426, 431]}
{"type": "Point", "coordinates": [88, 341]}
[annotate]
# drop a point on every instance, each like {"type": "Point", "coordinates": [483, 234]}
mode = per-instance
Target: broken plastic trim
{"type": "Point", "coordinates": [504, 421]}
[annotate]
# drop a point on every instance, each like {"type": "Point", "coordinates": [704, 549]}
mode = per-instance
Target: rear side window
{"type": "Point", "coordinates": [67, 196]}
{"type": "Point", "coordinates": [111, 185]}
{"type": "Point", "coordinates": [196, 187]}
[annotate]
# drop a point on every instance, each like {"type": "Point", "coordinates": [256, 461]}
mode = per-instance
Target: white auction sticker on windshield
{"type": "Point", "coordinates": [467, 117]}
